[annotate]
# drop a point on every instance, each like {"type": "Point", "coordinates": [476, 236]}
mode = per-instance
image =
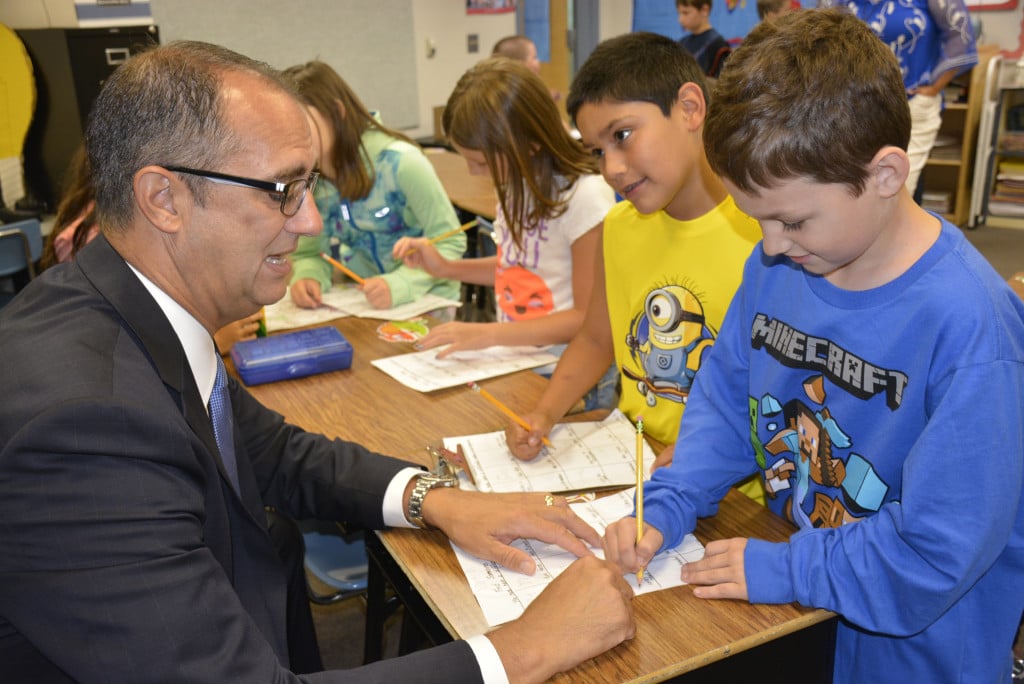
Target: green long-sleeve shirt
{"type": "Point", "coordinates": [407, 199]}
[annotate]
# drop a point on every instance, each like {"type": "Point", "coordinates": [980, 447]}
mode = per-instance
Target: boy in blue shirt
{"type": "Point", "coordinates": [702, 41]}
{"type": "Point", "coordinates": [870, 368]}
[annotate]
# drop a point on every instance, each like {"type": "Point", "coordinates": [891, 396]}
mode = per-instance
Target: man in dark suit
{"type": "Point", "coordinates": [133, 532]}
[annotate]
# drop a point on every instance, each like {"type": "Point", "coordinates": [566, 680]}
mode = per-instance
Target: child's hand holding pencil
{"type": "Point", "coordinates": [419, 253]}
{"type": "Point", "coordinates": [506, 410]}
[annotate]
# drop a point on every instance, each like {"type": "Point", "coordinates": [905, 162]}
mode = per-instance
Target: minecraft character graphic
{"type": "Point", "coordinates": [667, 340]}
{"type": "Point", "coordinates": [522, 294]}
{"type": "Point", "coordinates": [809, 466]}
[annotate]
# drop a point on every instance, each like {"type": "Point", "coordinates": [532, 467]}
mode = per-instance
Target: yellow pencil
{"type": "Point", "coordinates": [639, 488]}
{"type": "Point", "coordinates": [504, 409]}
{"type": "Point", "coordinates": [447, 234]}
{"type": "Point", "coordinates": [343, 268]}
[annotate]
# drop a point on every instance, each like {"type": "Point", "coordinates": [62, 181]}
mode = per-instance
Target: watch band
{"type": "Point", "coordinates": [424, 483]}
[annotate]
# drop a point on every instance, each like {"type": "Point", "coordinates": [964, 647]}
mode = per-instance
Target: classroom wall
{"type": "Point", "coordinates": [442, 27]}
{"type": "Point", "coordinates": [446, 25]}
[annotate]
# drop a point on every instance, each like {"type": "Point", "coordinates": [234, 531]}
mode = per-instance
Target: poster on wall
{"type": "Point", "coordinates": [490, 6]}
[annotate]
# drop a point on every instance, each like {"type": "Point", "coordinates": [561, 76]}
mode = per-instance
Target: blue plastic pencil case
{"type": "Point", "coordinates": [291, 355]}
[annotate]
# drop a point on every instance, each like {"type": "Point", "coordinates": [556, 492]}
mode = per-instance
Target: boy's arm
{"type": "Point", "coordinates": [959, 52]}
{"type": "Point", "coordinates": [712, 450]}
{"type": "Point", "coordinates": [428, 208]}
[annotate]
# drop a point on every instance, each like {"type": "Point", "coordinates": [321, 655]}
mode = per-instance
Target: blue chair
{"type": "Point", "coordinates": [21, 245]}
{"type": "Point", "coordinates": [335, 559]}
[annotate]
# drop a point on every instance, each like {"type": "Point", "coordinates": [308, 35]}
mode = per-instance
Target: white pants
{"type": "Point", "coordinates": [925, 119]}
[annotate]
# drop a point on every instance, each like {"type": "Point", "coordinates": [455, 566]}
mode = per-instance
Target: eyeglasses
{"type": "Point", "coordinates": [289, 194]}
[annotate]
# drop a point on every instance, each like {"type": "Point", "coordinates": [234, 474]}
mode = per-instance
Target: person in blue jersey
{"type": "Point", "coordinates": [934, 42]}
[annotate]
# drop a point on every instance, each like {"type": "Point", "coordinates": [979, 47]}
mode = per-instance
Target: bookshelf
{"type": "Point", "coordinates": [1002, 161]}
{"type": "Point", "coordinates": [947, 174]}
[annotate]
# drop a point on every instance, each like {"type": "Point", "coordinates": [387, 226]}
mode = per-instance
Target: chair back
{"type": "Point", "coordinates": [21, 245]}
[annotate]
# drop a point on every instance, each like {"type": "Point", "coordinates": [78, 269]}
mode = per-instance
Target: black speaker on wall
{"type": "Point", "coordinates": [70, 68]}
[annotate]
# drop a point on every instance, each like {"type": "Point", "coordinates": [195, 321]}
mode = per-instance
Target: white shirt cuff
{"type": "Point", "coordinates": [394, 498]}
{"type": "Point", "coordinates": [487, 657]}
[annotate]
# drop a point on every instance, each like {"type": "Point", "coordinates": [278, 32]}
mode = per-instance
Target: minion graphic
{"type": "Point", "coordinates": [667, 341]}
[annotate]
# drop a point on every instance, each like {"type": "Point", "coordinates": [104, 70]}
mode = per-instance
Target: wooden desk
{"type": "Point", "coordinates": [365, 405]}
{"type": "Point", "coordinates": [676, 633]}
{"type": "Point", "coordinates": [474, 194]}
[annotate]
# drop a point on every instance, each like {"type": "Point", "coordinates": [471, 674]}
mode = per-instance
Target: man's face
{"type": "Point", "coordinates": [644, 155]}
{"type": "Point", "coordinates": [234, 255]}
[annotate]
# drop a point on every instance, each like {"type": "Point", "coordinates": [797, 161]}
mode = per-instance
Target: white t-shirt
{"type": "Point", "coordinates": [537, 280]}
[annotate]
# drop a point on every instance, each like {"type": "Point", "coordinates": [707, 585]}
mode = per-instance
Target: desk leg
{"type": "Point", "coordinates": [376, 605]}
{"type": "Point", "coordinates": [384, 572]}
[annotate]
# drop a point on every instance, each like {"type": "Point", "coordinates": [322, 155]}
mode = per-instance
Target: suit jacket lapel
{"type": "Point", "coordinates": [110, 275]}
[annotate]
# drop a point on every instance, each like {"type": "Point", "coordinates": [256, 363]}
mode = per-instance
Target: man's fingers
{"type": "Point", "coordinates": [513, 558]}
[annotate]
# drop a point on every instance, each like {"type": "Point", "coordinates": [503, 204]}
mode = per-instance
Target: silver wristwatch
{"type": "Point", "coordinates": [424, 483]}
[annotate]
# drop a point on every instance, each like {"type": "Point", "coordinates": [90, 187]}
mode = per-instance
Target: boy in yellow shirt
{"type": "Point", "coordinates": [673, 250]}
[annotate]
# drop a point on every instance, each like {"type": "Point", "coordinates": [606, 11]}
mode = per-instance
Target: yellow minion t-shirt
{"type": "Point", "coordinates": [668, 285]}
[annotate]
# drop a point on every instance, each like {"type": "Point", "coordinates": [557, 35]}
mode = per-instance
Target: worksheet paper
{"type": "Point", "coordinates": [504, 594]}
{"type": "Point", "coordinates": [347, 301]}
{"type": "Point", "coordinates": [424, 372]}
{"type": "Point", "coordinates": [591, 455]}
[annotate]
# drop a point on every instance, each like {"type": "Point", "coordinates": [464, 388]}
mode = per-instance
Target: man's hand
{"type": "Point", "coordinates": [585, 611]}
{"type": "Point", "coordinates": [306, 293]}
{"type": "Point", "coordinates": [485, 524]}
{"type": "Point", "coordinates": [620, 545]}
{"type": "Point", "coordinates": [720, 573]}
{"type": "Point", "coordinates": [526, 444]}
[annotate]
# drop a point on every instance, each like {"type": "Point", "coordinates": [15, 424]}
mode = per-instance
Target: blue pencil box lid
{"type": "Point", "coordinates": [291, 355]}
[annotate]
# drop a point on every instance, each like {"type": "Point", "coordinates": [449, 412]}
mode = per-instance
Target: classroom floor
{"type": "Point", "coordinates": [1003, 247]}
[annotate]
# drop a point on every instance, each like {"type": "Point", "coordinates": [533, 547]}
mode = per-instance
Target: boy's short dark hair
{"type": "Point", "coordinates": [514, 47]}
{"type": "Point", "coordinates": [764, 7]}
{"type": "Point", "coordinates": [814, 94]}
{"type": "Point", "coordinates": [640, 66]}
{"type": "Point", "coordinates": [693, 3]}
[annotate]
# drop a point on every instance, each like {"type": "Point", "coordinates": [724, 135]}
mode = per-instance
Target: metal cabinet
{"type": "Point", "coordinates": [70, 67]}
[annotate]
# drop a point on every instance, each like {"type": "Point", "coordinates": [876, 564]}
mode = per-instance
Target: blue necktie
{"type": "Point", "coordinates": [220, 414]}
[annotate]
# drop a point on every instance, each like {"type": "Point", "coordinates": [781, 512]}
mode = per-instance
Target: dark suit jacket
{"type": "Point", "coordinates": [125, 554]}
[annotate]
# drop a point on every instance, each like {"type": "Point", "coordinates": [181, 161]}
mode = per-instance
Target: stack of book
{"type": "Point", "coordinates": [1008, 194]}
{"type": "Point", "coordinates": [946, 147]}
{"type": "Point", "coordinates": [938, 201]}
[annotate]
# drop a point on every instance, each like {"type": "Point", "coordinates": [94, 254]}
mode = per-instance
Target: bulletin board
{"type": "Point", "coordinates": [369, 43]}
